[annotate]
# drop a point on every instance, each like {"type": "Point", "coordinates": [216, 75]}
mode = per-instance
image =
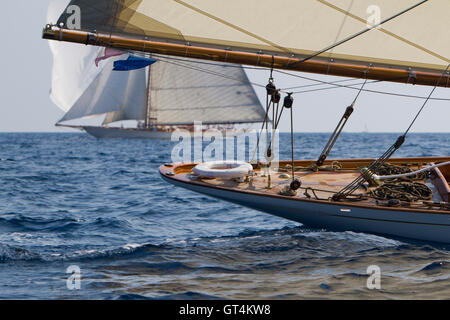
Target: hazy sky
{"type": "Point", "coordinates": [26, 63]}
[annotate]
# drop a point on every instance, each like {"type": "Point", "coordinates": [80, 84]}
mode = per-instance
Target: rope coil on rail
{"type": "Point", "coordinates": [387, 169]}
{"type": "Point", "coordinates": [403, 191]}
{"type": "Point", "coordinates": [402, 188]}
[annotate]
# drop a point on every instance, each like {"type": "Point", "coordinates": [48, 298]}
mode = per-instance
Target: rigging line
{"type": "Point", "coordinates": [266, 119]}
{"type": "Point", "coordinates": [319, 84]}
{"type": "Point", "coordinates": [262, 69]}
{"type": "Point", "coordinates": [367, 173]}
{"type": "Point", "coordinates": [336, 85]}
{"type": "Point", "coordinates": [356, 34]}
{"type": "Point", "coordinates": [224, 65]}
{"type": "Point", "coordinates": [338, 130]}
{"type": "Point", "coordinates": [275, 116]}
{"type": "Point", "coordinates": [426, 100]}
{"type": "Point", "coordinates": [375, 91]}
{"type": "Point", "coordinates": [360, 90]}
{"type": "Point", "coordinates": [333, 84]}
{"type": "Point", "coordinates": [292, 146]}
{"type": "Point", "coordinates": [212, 73]}
{"type": "Point", "coordinates": [387, 32]}
{"type": "Point", "coordinates": [289, 104]}
{"type": "Point", "coordinates": [203, 70]}
{"type": "Point", "coordinates": [235, 27]}
{"type": "Point", "coordinates": [271, 99]}
{"type": "Point", "coordinates": [182, 63]}
{"type": "Point", "coordinates": [231, 65]}
{"type": "Point", "coordinates": [284, 90]}
{"type": "Point", "coordinates": [341, 26]}
{"type": "Point", "coordinates": [286, 50]}
{"type": "Point", "coordinates": [114, 20]}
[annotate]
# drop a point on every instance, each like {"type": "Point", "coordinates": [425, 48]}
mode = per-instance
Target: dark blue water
{"type": "Point", "coordinates": [69, 199]}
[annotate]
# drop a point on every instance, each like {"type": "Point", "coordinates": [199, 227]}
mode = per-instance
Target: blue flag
{"type": "Point", "coordinates": [132, 63]}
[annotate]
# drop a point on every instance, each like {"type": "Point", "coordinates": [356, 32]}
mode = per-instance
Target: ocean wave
{"type": "Point", "coordinates": [101, 204]}
{"type": "Point", "coordinates": [121, 172]}
{"type": "Point", "coordinates": [128, 250]}
{"type": "Point", "coordinates": [22, 223]}
{"type": "Point", "coordinates": [189, 295]}
{"type": "Point", "coordinates": [11, 253]}
{"type": "Point", "coordinates": [36, 178]}
{"type": "Point", "coordinates": [436, 267]}
{"type": "Point", "coordinates": [76, 158]}
{"type": "Point", "coordinates": [14, 253]}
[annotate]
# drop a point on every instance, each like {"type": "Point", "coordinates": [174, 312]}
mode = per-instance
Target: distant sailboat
{"type": "Point", "coordinates": [162, 98]}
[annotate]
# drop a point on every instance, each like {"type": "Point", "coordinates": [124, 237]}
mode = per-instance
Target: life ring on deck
{"type": "Point", "coordinates": [223, 169]}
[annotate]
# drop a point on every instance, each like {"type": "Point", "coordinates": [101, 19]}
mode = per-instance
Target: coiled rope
{"type": "Point", "coordinates": [392, 173]}
{"type": "Point", "coordinates": [412, 175]}
{"type": "Point", "coordinates": [403, 191]}
{"type": "Point", "coordinates": [354, 185]}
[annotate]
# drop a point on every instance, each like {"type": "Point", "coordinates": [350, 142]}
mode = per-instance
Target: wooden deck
{"type": "Point", "coordinates": [324, 183]}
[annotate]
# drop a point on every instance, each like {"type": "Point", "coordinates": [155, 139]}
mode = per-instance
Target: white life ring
{"type": "Point", "coordinates": [223, 169]}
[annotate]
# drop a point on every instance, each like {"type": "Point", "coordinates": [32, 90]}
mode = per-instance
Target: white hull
{"type": "Point", "coordinates": [131, 133]}
{"type": "Point", "coordinates": [103, 132]}
{"type": "Point", "coordinates": [414, 225]}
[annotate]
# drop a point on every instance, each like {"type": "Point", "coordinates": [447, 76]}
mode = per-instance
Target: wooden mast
{"type": "Point", "coordinates": [393, 74]}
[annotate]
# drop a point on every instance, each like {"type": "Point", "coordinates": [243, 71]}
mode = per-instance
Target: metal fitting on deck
{"type": "Point", "coordinates": [369, 177]}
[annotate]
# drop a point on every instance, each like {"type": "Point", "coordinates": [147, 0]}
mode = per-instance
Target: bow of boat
{"type": "Point", "coordinates": [312, 204]}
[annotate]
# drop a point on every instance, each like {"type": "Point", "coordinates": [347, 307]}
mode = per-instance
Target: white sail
{"type": "Point", "coordinates": [73, 67]}
{"type": "Point", "coordinates": [181, 93]}
{"type": "Point", "coordinates": [82, 89]}
{"type": "Point", "coordinates": [123, 92]}
{"type": "Point", "coordinates": [418, 39]}
{"type": "Point", "coordinates": [134, 104]}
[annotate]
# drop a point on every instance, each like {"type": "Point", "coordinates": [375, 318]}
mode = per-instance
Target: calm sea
{"type": "Point", "coordinates": [99, 206]}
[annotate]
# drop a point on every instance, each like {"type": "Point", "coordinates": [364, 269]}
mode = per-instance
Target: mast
{"type": "Point", "coordinates": [148, 104]}
{"type": "Point", "coordinates": [392, 74]}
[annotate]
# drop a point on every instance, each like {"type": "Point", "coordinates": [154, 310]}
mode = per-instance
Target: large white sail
{"type": "Point", "coordinates": [83, 89]}
{"type": "Point", "coordinates": [287, 27]}
{"type": "Point", "coordinates": [183, 92]}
